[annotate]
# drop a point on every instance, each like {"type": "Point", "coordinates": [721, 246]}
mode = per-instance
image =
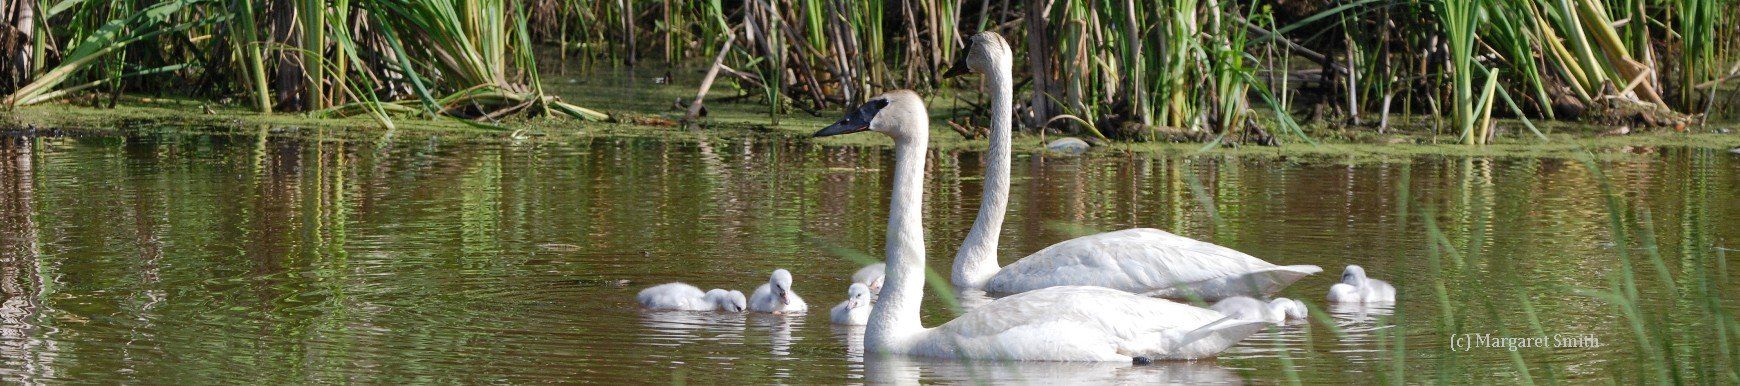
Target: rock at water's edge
{"type": "Point", "coordinates": [1067, 145]}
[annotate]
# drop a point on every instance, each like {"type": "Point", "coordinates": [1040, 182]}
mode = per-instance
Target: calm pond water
{"type": "Point", "coordinates": [241, 259]}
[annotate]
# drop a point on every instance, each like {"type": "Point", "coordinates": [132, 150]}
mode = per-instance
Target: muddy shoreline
{"type": "Point", "coordinates": [173, 117]}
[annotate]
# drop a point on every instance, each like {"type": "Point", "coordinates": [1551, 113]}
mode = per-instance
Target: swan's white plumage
{"type": "Point", "coordinates": [1143, 261]}
{"type": "Point", "coordinates": [1355, 287]}
{"type": "Point", "coordinates": [1080, 323]}
{"type": "Point", "coordinates": [681, 296]}
{"type": "Point", "coordinates": [855, 310]}
{"type": "Point", "coordinates": [767, 299]}
{"type": "Point", "coordinates": [1069, 323]}
{"type": "Point", "coordinates": [1150, 262]}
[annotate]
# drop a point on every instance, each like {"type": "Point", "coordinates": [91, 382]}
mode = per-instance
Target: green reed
{"type": "Point", "coordinates": [1123, 68]}
{"type": "Point", "coordinates": [331, 58]}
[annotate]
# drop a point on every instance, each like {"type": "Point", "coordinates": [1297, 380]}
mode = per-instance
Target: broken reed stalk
{"type": "Point", "coordinates": [707, 82]}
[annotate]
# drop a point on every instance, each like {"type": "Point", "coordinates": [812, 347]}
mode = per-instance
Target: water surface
{"type": "Point", "coordinates": [242, 259]}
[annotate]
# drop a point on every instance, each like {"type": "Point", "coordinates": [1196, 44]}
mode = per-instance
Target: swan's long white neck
{"type": "Point", "coordinates": [894, 318]}
{"type": "Point", "coordinates": [976, 261]}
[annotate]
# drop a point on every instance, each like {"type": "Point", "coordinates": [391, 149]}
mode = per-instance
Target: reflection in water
{"type": "Point", "coordinates": [779, 330]}
{"type": "Point", "coordinates": [912, 371]}
{"type": "Point", "coordinates": [1276, 341]}
{"type": "Point", "coordinates": [249, 258]}
{"type": "Point", "coordinates": [1361, 328]}
{"type": "Point", "coordinates": [21, 286]}
{"type": "Point", "coordinates": [783, 332]}
{"type": "Point", "coordinates": [853, 338]}
{"type": "Point", "coordinates": [676, 328]}
{"type": "Point", "coordinates": [1359, 313]}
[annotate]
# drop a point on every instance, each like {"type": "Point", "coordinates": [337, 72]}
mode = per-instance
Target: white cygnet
{"type": "Point", "coordinates": [681, 296]}
{"type": "Point", "coordinates": [871, 276]}
{"type": "Point", "coordinates": [855, 311]}
{"type": "Point", "coordinates": [1291, 309]}
{"type": "Point", "coordinates": [1248, 308]}
{"type": "Point", "coordinates": [1355, 287]}
{"type": "Point", "coordinates": [776, 296]}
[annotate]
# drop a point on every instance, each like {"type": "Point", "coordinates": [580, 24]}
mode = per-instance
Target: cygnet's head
{"type": "Point", "coordinates": [1294, 309]}
{"type": "Point", "coordinates": [738, 301]}
{"type": "Point", "coordinates": [781, 283]}
{"type": "Point", "coordinates": [981, 55]}
{"type": "Point", "coordinates": [875, 286]}
{"type": "Point", "coordinates": [1353, 275]}
{"type": "Point", "coordinates": [899, 114]}
{"type": "Point", "coordinates": [858, 295]}
{"type": "Point", "coordinates": [729, 301]}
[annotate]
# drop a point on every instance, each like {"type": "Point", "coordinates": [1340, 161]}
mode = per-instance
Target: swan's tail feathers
{"type": "Point", "coordinates": [1267, 282]}
{"type": "Point", "coordinates": [1305, 269]}
{"type": "Point", "coordinates": [1214, 337]}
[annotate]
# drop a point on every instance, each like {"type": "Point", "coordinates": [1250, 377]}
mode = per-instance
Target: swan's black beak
{"type": "Point", "coordinates": [844, 126]}
{"type": "Point", "coordinates": [960, 66]}
{"type": "Point", "coordinates": [958, 69]}
{"type": "Point", "coordinates": [856, 120]}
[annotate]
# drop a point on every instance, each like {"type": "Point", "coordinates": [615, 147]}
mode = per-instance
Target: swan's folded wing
{"type": "Point", "coordinates": [1132, 260]}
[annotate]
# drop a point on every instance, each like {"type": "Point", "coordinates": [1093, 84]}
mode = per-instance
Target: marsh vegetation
{"type": "Point", "coordinates": [1130, 70]}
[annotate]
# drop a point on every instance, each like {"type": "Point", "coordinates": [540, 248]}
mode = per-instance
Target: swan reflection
{"type": "Point", "coordinates": [886, 369]}
{"type": "Point", "coordinates": [675, 328]}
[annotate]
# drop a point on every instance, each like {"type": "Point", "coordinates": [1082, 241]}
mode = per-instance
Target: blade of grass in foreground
{"type": "Point", "coordinates": [936, 281]}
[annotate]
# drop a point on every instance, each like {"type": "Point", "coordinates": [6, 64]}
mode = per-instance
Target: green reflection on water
{"type": "Point", "coordinates": [248, 258]}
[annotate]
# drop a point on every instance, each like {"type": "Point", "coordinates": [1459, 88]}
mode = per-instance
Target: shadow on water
{"type": "Point", "coordinates": [247, 258]}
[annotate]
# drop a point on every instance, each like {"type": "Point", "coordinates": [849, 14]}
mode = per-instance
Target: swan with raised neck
{"type": "Point", "coordinates": [1143, 260]}
{"type": "Point", "coordinates": [1054, 324]}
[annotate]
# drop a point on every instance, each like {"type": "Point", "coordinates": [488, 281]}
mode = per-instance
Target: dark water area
{"type": "Point", "coordinates": [239, 259]}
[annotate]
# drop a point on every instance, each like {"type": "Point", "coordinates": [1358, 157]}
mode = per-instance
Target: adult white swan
{"type": "Point", "coordinates": [681, 296]}
{"type": "Point", "coordinates": [1054, 324]}
{"type": "Point", "coordinates": [1144, 261]}
{"type": "Point", "coordinates": [776, 296]}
